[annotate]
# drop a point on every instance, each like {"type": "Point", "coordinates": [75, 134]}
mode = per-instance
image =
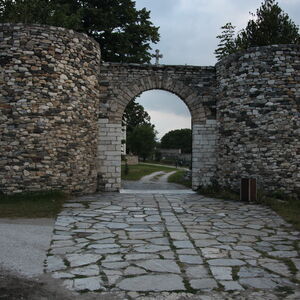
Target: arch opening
{"type": "Point", "coordinates": [166, 112]}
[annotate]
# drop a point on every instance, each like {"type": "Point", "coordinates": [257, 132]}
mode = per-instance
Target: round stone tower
{"type": "Point", "coordinates": [259, 118]}
{"type": "Point", "coordinates": [49, 105]}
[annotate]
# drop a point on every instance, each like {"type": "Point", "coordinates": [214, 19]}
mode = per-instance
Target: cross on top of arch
{"type": "Point", "coordinates": [157, 56]}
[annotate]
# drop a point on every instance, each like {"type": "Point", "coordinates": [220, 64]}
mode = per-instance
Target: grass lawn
{"type": "Point", "coordinates": [32, 205]}
{"type": "Point", "coordinates": [136, 172]}
{"type": "Point", "coordinates": [178, 177]}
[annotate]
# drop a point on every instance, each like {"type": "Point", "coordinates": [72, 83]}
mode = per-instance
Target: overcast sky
{"type": "Point", "coordinates": [188, 30]}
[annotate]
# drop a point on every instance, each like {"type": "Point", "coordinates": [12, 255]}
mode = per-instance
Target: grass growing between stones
{"type": "Point", "coordinates": [284, 291]}
{"type": "Point", "coordinates": [287, 208]}
{"type": "Point", "coordinates": [235, 271]}
{"type": "Point", "coordinates": [179, 178]}
{"type": "Point", "coordinates": [136, 172]}
{"type": "Point", "coordinates": [45, 204]}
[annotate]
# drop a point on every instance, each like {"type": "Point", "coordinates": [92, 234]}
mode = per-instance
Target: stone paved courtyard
{"type": "Point", "coordinates": [169, 245]}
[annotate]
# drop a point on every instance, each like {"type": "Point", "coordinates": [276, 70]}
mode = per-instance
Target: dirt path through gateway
{"type": "Point", "coordinates": [155, 181]}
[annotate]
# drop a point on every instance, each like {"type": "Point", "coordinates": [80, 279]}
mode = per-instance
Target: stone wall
{"type": "Point", "coordinates": [121, 83]}
{"type": "Point", "coordinates": [60, 117]}
{"type": "Point", "coordinates": [49, 106]}
{"type": "Point", "coordinates": [259, 119]}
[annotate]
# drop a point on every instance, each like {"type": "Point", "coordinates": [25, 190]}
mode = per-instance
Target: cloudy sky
{"type": "Point", "coordinates": [188, 30]}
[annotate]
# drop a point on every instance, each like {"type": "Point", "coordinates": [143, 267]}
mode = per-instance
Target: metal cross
{"type": "Point", "coordinates": [157, 56]}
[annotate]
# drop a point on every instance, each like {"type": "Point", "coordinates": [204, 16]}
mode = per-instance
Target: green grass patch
{"type": "Point", "coordinates": [179, 178]}
{"type": "Point", "coordinates": [235, 271]}
{"type": "Point", "coordinates": [136, 172]}
{"type": "Point", "coordinates": [45, 204]}
{"type": "Point", "coordinates": [288, 209]}
{"type": "Point", "coordinates": [284, 291]}
{"type": "Point", "coordinates": [214, 191]}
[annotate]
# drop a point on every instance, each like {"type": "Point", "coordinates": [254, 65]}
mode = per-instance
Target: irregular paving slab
{"type": "Point", "coordinates": [160, 265]}
{"type": "Point", "coordinates": [197, 272]}
{"type": "Point", "coordinates": [214, 253]}
{"type": "Point", "coordinates": [183, 244]}
{"type": "Point", "coordinates": [253, 272]}
{"type": "Point", "coordinates": [258, 283]}
{"type": "Point", "coordinates": [191, 259]}
{"type": "Point", "coordinates": [155, 283]}
{"type": "Point", "coordinates": [152, 248]}
{"type": "Point", "coordinates": [222, 273]}
{"type": "Point", "coordinates": [115, 265]}
{"type": "Point", "coordinates": [140, 256]}
{"type": "Point", "coordinates": [103, 246]}
{"type": "Point", "coordinates": [86, 271]}
{"type": "Point", "coordinates": [231, 285]}
{"type": "Point", "coordinates": [275, 266]}
{"type": "Point", "coordinates": [55, 263]}
{"type": "Point", "coordinates": [284, 254]}
{"type": "Point", "coordinates": [112, 225]}
{"type": "Point", "coordinates": [142, 245]}
{"type": "Point", "coordinates": [90, 284]}
{"type": "Point", "coordinates": [134, 271]}
{"type": "Point", "coordinates": [160, 241]}
{"type": "Point", "coordinates": [77, 260]}
{"type": "Point", "coordinates": [203, 284]}
{"type": "Point", "coordinates": [226, 262]}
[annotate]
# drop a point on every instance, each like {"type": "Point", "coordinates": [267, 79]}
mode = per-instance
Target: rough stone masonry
{"type": "Point", "coordinates": [61, 110]}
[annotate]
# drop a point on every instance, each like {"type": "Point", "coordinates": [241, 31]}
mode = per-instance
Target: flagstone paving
{"type": "Point", "coordinates": [168, 245]}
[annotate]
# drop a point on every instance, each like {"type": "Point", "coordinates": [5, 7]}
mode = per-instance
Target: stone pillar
{"type": "Point", "coordinates": [109, 155]}
{"type": "Point", "coordinates": [204, 159]}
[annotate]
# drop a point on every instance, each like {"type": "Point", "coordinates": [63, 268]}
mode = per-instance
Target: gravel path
{"type": "Point", "coordinates": [152, 177]}
{"type": "Point", "coordinates": [24, 243]}
{"type": "Point", "coordinates": [154, 181]}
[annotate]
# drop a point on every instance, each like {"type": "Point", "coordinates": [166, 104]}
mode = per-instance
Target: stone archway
{"type": "Point", "coordinates": [120, 83]}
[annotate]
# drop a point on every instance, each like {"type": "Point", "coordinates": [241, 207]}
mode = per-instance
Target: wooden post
{"type": "Point", "coordinates": [248, 191]}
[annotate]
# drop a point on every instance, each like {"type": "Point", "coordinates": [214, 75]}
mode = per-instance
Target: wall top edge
{"type": "Point", "coordinates": [19, 26]}
{"type": "Point", "coordinates": [156, 67]}
{"type": "Point", "coordinates": [263, 49]}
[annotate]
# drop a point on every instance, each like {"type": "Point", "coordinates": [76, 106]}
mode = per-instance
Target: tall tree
{"type": "Point", "coordinates": [142, 140]}
{"type": "Point", "coordinates": [123, 32]}
{"type": "Point", "coordinates": [22, 11]}
{"type": "Point", "coordinates": [270, 25]}
{"type": "Point", "coordinates": [135, 115]}
{"type": "Point", "coordinates": [227, 43]}
{"type": "Point", "coordinates": [178, 139]}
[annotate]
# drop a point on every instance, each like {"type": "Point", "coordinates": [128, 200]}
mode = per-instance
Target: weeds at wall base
{"type": "Point", "coordinates": [40, 204]}
{"type": "Point", "coordinates": [287, 207]}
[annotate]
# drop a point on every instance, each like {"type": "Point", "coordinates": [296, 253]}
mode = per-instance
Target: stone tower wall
{"type": "Point", "coordinates": [259, 119]}
{"type": "Point", "coordinates": [49, 106]}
